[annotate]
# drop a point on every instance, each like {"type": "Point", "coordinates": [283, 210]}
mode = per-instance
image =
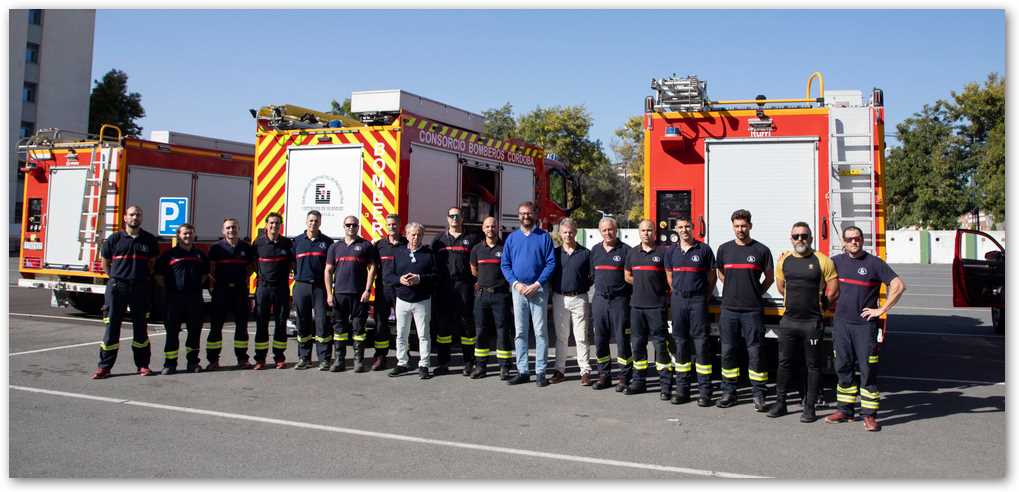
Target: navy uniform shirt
{"type": "Point", "coordinates": [690, 268]}
{"type": "Point", "coordinates": [487, 260]}
{"type": "Point", "coordinates": [183, 269]}
{"type": "Point", "coordinates": [452, 255]}
{"type": "Point", "coordinates": [421, 262]}
{"type": "Point", "coordinates": [129, 256]}
{"type": "Point", "coordinates": [274, 259]}
{"type": "Point", "coordinates": [572, 272]}
{"type": "Point", "coordinates": [311, 257]}
{"type": "Point", "coordinates": [607, 270]}
{"type": "Point", "coordinates": [650, 287]}
{"type": "Point", "coordinates": [387, 253]}
{"type": "Point", "coordinates": [860, 282]}
{"type": "Point", "coordinates": [350, 263]}
{"type": "Point", "coordinates": [744, 268]}
{"type": "Point", "coordinates": [231, 262]}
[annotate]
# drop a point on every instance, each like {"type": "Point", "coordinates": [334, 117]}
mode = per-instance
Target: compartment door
{"type": "Point", "coordinates": [63, 218]}
{"type": "Point", "coordinates": [775, 179]}
{"type": "Point", "coordinates": [323, 178]}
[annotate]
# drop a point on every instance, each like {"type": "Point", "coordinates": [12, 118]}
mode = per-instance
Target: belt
{"type": "Point", "coordinates": [687, 295]}
{"type": "Point", "coordinates": [494, 290]}
{"type": "Point", "coordinates": [311, 282]}
{"type": "Point", "coordinates": [128, 282]}
{"type": "Point", "coordinates": [573, 293]}
{"type": "Point", "coordinates": [610, 295]}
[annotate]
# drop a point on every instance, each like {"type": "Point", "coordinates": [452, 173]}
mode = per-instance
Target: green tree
{"type": "Point", "coordinates": [950, 159]}
{"type": "Point", "coordinates": [110, 103]}
{"type": "Point", "coordinates": [340, 108]}
{"type": "Point", "coordinates": [630, 150]}
{"type": "Point", "coordinates": [564, 131]}
{"type": "Point", "coordinates": [979, 113]}
{"type": "Point", "coordinates": [499, 122]}
{"type": "Point", "coordinates": [924, 179]}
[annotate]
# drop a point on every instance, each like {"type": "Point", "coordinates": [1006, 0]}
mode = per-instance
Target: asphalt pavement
{"type": "Point", "coordinates": [942, 408]}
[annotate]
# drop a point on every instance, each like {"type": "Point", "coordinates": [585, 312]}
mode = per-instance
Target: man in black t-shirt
{"type": "Point", "coordinates": [689, 268]}
{"type": "Point", "coordinates": [802, 277]}
{"type": "Point", "coordinates": [182, 271]}
{"type": "Point", "coordinates": [492, 304]}
{"type": "Point", "coordinates": [645, 270]}
{"type": "Point", "coordinates": [454, 295]}
{"type": "Point", "coordinates": [610, 307]}
{"type": "Point", "coordinates": [127, 257]}
{"type": "Point", "coordinates": [741, 264]}
{"type": "Point", "coordinates": [231, 264]}
{"type": "Point", "coordinates": [349, 276]}
{"type": "Point", "coordinates": [275, 254]}
{"type": "Point", "coordinates": [309, 293]}
{"type": "Point", "coordinates": [386, 282]}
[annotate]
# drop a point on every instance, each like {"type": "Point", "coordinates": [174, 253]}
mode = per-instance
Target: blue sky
{"type": "Point", "coordinates": [200, 71]}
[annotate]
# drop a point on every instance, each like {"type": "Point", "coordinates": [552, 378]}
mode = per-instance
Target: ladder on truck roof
{"type": "Point", "coordinates": [852, 193]}
{"type": "Point", "coordinates": [93, 202]}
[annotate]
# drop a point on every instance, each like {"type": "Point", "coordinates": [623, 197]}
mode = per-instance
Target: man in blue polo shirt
{"type": "Point", "coordinates": [528, 260]}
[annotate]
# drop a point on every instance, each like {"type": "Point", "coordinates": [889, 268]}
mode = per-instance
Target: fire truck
{"type": "Point", "coordinates": [404, 154]}
{"type": "Point", "coordinates": [77, 188]}
{"type": "Point", "coordinates": [817, 159]}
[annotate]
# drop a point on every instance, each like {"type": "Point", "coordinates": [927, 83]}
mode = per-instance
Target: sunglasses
{"type": "Point", "coordinates": [454, 216]}
{"type": "Point", "coordinates": [855, 239]}
{"type": "Point", "coordinates": [349, 225]}
{"type": "Point", "coordinates": [800, 237]}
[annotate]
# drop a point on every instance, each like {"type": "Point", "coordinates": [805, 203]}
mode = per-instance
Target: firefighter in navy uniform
{"type": "Point", "coordinates": [275, 254]}
{"type": "Point", "coordinates": [493, 308]}
{"type": "Point", "coordinates": [310, 250]}
{"type": "Point", "coordinates": [455, 293]}
{"type": "Point", "coordinates": [741, 263]}
{"type": "Point", "coordinates": [855, 330]}
{"type": "Point", "coordinates": [611, 306]}
{"type": "Point", "coordinates": [688, 266]}
{"type": "Point", "coordinates": [182, 271]}
{"type": "Point", "coordinates": [349, 275]}
{"type": "Point", "coordinates": [645, 270]}
{"type": "Point", "coordinates": [231, 264]}
{"type": "Point", "coordinates": [385, 289]}
{"type": "Point", "coordinates": [127, 257]}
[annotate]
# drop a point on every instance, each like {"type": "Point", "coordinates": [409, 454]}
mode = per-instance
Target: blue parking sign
{"type": "Point", "coordinates": [173, 211]}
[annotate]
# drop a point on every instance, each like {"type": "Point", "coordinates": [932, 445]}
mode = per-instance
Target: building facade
{"type": "Point", "coordinates": [50, 82]}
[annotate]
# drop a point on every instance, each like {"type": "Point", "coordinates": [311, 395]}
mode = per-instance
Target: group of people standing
{"type": "Point", "coordinates": [478, 286]}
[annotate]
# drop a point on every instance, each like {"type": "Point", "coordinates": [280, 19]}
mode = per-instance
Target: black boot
{"type": "Point", "coordinates": [778, 408]}
{"type": "Point", "coordinates": [478, 372]}
{"type": "Point", "coordinates": [504, 373]}
{"type": "Point", "coordinates": [682, 395]}
{"type": "Point", "coordinates": [359, 365]}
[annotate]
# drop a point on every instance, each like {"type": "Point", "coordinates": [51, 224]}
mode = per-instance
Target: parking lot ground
{"type": "Point", "coordinates": [942, 408]}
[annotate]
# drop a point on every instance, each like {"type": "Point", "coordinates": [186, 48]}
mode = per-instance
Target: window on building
{"type": "Point", "coordinates": [28, 94]}
{"type": "Point", "coordinates": [32, 53]}
{"type": "Point", "coordinates": [27, 129]}
{"type": "Point", "coordinates": [35, 17]}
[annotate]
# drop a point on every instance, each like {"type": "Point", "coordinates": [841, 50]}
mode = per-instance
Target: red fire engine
{"type": "Point", "coordinates": [77, 188]}
{"type": "Point", "coordinates": [817, 159]}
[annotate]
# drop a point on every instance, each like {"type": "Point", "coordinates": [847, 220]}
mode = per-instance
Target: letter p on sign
{"type": "Point", "coordinates": [173, 211]}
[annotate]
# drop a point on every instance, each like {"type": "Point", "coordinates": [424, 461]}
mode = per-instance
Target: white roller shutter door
{"type": "Point", "coordinates": [775, 179]}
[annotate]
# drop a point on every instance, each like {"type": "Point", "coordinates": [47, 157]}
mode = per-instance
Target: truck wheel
{"type": "Point", "coordinates": [86, 302]}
